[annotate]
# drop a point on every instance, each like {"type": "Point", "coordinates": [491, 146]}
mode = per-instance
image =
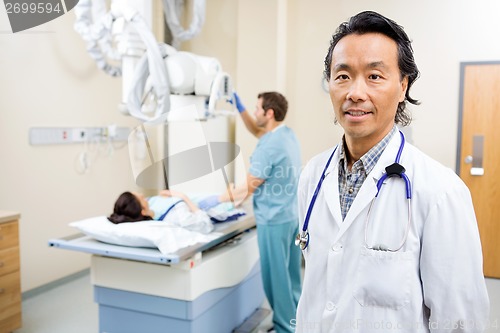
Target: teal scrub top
{"type": "Point", "coordinates": [276, 159]}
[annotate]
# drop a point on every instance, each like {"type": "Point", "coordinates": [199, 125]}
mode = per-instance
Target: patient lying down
{"type": "Point", "coordinates": [169, 206]}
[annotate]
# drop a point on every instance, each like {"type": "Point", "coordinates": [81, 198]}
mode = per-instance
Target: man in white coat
{"type": "Point", "coordinates": [399, 253]}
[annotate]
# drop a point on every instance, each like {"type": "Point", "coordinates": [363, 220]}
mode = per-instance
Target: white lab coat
{"type": "Point", "coordinates": [434, 283]}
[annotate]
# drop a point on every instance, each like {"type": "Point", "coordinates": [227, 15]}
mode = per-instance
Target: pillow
{"type": "Point", "coordinates": [153, 234]}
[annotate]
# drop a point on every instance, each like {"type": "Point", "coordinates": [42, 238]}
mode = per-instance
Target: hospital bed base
{"type": "Point", "coordinates": [216, 311]}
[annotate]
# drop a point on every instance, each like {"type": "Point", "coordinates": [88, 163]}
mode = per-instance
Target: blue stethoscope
{"type": "Point", "coordinates": [395, 169]}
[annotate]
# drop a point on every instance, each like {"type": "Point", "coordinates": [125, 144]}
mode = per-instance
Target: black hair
{"type": "Point", "coordinates": [127, 209]}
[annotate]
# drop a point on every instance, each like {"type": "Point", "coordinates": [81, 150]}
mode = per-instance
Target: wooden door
{"type": "Point", "coordinates": [479, 130]}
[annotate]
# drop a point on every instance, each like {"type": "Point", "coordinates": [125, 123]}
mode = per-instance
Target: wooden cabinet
{"type": "Point", "coordinates": [10, 282]}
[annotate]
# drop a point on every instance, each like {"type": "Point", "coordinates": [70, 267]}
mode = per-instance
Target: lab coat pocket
{"type": "Point", "coordinates": [383, 279]}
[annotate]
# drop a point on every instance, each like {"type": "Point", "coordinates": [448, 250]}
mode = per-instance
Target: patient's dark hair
{"type": "Point", "coordinates": [127, 209]}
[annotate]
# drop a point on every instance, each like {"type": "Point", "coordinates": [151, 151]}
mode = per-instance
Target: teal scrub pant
{"type": "Point", "coordinates": [280, 268]}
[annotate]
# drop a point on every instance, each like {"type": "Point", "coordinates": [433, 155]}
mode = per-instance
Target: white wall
{"type": "Point", "coordinates": [47, 79]}
{"type": "Point", "coordinates": [444, 33]}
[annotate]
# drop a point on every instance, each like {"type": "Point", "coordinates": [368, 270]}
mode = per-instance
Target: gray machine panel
{"type": "Point", "coordinates": [82, 243]}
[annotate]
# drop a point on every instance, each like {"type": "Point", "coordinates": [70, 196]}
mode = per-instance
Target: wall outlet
{"type": "Point", "coordinates": [79, 135]}
{"type": "Point", "coordinates": [62, 135]}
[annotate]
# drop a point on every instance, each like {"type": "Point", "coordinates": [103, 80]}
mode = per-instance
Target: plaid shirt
{"type": "Point", "coordinates": [350, 181]}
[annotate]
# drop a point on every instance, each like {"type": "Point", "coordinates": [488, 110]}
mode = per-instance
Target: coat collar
{"type": "Point", "coordinates": [367, 191]}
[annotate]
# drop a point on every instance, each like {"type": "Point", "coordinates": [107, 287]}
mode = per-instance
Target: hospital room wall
{"type": "Point", "coordinates": [48, 79]}
{"type": "Point", "coordinates": [250, 40]}
{"type": "Point", "coordinates": [247, 35]}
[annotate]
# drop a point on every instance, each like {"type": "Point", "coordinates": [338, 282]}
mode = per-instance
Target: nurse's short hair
{"type": "Point", "coordinates": [276, 101]}
{"type": "Point", "coordinates": [373, 22]}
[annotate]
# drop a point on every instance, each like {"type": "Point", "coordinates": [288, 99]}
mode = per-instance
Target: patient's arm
{"type": "Point", "coordinates": [172, 193]}
{"type": "Point", "coordinates": [238, 194]}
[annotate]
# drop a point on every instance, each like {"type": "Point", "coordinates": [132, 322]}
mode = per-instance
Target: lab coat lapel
{"type": "Point", "coordinates": [331, 191]}
{"type": "Point", "coordinates": [369, 188]}
{"type": "Point", "coordinates": [365, 195]}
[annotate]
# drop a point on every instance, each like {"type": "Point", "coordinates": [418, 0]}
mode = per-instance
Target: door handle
{"type": "Point", "coordinates": [477, 156]}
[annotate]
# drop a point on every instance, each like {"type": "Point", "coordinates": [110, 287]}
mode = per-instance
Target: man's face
{"type": "Point", "coordinates": [260, 114]}
{"type": "Point", "coordinates": [365, 86]}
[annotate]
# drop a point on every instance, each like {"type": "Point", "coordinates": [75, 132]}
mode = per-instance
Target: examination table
{"type": "Point", "coordinates": [204, 288]}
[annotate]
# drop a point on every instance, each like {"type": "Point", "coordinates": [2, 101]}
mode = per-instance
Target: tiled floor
{"type": "Point", "coordinates": [493, 286]}
{"type": "Point", "coordinates": [70, 308]}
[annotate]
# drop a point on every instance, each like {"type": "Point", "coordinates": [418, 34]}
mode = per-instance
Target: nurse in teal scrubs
{"type": "Point", "coordinates": [273, 178]}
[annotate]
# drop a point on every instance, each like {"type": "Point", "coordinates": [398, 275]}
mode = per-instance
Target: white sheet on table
{"type": "Point", "coordinates": [166, 237]}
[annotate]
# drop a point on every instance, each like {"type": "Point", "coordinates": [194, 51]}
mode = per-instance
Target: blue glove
{"type": "Point", "coordinates": [209, 202]}
{"type": "Point", "coordinates": [239, 105]}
